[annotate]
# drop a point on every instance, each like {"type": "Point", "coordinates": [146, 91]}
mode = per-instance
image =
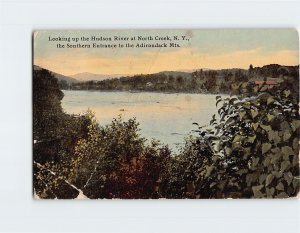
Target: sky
{"type": "Point", "coordinates": [206, 48]}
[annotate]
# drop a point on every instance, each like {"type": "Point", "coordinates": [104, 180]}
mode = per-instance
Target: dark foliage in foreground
{"type": "Point", "coordinates": [252, 151]}
{"type": "Point", "coordinates": [73, 153]}
{"type": "Point", "coordinates": [249, 151]}
{"type": "Point", "coordinates": [55, 134]}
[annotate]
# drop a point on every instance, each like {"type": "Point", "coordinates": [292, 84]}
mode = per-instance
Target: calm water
{"type": "Point", "coordinates": [167, 117]}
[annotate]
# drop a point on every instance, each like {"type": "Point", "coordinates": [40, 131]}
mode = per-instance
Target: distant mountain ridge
{"type": "Point", "coordinates": [270, 70]}
{"type": "Point", "coordinates": [87, 76]}
{"type": "Point", "coordinates": [201, 81]}
{"type": "Point", "coordinates": [59, 77]}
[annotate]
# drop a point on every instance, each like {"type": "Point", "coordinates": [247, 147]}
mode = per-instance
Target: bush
{"type": "Point", "coordinates": [252, 151]}
{"type": "Point", "coordinates": [115, 162]}
{"type": "Point", "coordinates": [55, 135]}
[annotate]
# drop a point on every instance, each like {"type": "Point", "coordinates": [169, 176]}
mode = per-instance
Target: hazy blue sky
{"type": "Point", "coordinates": [215, 48]}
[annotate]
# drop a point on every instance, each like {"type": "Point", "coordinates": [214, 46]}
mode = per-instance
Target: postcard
{"type": "Point", "coordinates": [166, 114]}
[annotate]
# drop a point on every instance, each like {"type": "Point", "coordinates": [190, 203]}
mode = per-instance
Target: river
{"type": "Point", "coordinates": [166, 117]}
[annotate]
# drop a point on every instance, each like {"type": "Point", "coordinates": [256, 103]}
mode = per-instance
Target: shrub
{"type": "Point", "coordinates": [255, 146]}
{"type": "Point", "coordinates": [115, 162]}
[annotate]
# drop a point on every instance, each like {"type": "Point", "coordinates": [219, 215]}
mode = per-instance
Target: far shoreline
{"type": "Point", "coordinates": [148, 91]}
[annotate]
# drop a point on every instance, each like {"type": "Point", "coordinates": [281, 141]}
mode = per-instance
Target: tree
{"type": "Point", "coordinates": [114, 162]}
{"type": "Point", "coordinates": [55, 135]}
{"type": "Point", "coordinates": [251, 70]}
{"type": "Point", "coordinates": [251, 152]}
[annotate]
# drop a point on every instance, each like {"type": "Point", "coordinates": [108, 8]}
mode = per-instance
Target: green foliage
{"type": "Point", "coordinates": [255, 146]}
{"type": "Point", "coordinates": [250, 150]}
{"type": "Point", "coordinates": [188, 82]}
{"type": "Point", "coordinates": [115, 162]}
{"type": "Point", "coordinates": [184, 174]}
{"type": "Point", "coordinates": [228, 81]}
{"type": "Point", "coordinates": [73, 153]}
{"type": "Point", "coordinates": [55, 135]}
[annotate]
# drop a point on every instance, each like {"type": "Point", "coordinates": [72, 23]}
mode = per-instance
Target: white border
{"type": "Point", "coordinates": [20, 213]}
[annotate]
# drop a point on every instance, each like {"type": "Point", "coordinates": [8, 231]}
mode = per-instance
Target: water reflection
{"type": "Point", "coordinates": [166, 117]}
